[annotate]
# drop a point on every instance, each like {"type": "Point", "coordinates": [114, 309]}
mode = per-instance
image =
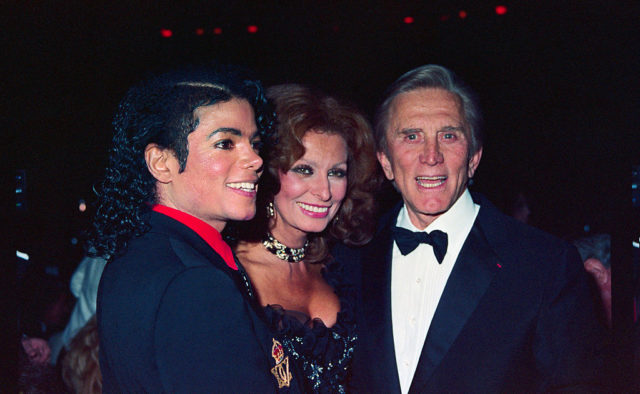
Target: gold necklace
{"type": "Point", "coordinates": [283, 252]}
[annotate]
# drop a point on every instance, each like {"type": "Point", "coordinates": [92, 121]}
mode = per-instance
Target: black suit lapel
{"type": "Point", "coordinates": [376, 289]}
{"type": "Point", "coordinates": [193, 251]}
{"type": "Point", "coordinates": [470, 278]}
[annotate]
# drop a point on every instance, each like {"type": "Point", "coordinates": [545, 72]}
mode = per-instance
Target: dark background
{"type": "Point", "coordinates": [557, 81]}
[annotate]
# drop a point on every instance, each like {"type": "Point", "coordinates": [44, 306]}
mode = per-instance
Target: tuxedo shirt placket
{"type": "Point", "coordinates": [418, 282]}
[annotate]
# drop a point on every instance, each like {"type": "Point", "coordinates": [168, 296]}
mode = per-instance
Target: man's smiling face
{"type": "Point", "coordinates": [427, 154]}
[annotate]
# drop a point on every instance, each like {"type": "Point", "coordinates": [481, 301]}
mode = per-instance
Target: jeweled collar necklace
{"type": "Point", "coordinates": [283, 252]}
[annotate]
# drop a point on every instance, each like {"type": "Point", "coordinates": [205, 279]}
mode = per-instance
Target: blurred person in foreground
{"type": "Point", "coordinates": [175, 312]}
{"type": "Point", "coordinates": [596, 257]}
{"type": "Point", "coordinates": [316, 191]}
{"type": "Point", "coordinates": [35, 374]}
{"type": "Point", "coordinates": [84, 286]}
{"type": "Point", "coordinates": [80, 364]}
{"type": "Point", "coordinates": [457, 296]}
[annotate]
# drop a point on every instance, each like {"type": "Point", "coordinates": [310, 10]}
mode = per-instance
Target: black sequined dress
{"type": "Point", "coordinates": [322, 353]}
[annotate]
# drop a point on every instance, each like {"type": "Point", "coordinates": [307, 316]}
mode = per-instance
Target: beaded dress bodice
{"type": "Point", "coordinates": [322, 353]}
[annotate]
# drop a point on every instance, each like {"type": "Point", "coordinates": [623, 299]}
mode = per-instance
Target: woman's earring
{"type": "Point", "coordinates": [270, 211]}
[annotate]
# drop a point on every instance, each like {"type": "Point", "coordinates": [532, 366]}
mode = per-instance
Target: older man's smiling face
{"type": "Point", "coordinates": [427, 153]}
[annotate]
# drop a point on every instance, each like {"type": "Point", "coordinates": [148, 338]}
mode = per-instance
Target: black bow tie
{"type": "Point", "coordinates": [408, 240]}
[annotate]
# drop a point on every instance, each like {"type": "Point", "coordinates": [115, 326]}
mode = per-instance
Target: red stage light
{"type": "Point", "coordinates": [462, 14]}
{"type": "Point", "coordinates": [252, 29]}
{"type": "Point", "coordinates": [444, 18]}
{"type": "Point", "coordinates": [217, 30]}
{"type": "Point", "coordinates": [501, 10]}
{"type": "Point", "coordinates": [199, 31]}
{"type": "Point", "coordinates": [408, 20]}
{"type": "Point", "coordinates": [166, 33]}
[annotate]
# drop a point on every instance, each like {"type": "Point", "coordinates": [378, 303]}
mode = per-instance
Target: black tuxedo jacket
{"type": "Point", "coordinates": [516, 314]}
{"type": "Point", "coordinates": [172, 317]}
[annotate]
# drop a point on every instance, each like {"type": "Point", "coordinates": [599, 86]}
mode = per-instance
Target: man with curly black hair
{"type": "Point", "coordinates": [175, 311]}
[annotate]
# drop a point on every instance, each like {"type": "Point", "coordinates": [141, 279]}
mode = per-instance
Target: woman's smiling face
{"type": "Point", "coordinates": [313, 189]}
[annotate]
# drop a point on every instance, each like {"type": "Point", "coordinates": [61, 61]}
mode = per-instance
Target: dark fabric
{"type": "Point", "coordinates": [323, 353]}
{"type": "Point", "coordinates": [408, 241]}
{"type": "Point", "coordinates": [515, 315]}
{"type": "Point", "coordinates": [173, 317]}
{"type": "Point", "coordinates": [210, 235]}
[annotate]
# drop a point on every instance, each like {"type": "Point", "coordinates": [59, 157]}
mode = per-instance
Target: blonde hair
{"type": "Point", "coordinates": [80, 366]}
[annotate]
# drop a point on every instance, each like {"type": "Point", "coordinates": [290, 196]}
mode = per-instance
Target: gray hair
{"type": "Point", "coordinates": [596, 246]}
{"type": "Point", "coordinates": [431, 76]}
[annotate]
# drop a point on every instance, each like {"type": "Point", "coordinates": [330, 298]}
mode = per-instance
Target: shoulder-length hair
{"type": "Point", "coordinates": [300, 110]}
{"type": "Point", "coordinates": [160, 110]}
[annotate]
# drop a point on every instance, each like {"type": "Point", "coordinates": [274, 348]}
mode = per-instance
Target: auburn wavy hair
{"type": "Point", "coordinates": [161, 110]}
{"type": "Point", "coordinates": [300, 110]}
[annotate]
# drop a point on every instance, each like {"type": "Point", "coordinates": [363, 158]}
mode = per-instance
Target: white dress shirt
{"type": "Point", "coordinates": [417, 283]}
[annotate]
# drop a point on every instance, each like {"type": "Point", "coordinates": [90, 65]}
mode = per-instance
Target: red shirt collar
{"type": "Point", "coordinates": [209, 234]}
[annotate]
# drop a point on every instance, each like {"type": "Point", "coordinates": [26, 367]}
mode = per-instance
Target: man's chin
{"type": "Point", "coordinates": [240, 217]}
{"type": "Point", "coordinates": [430, 209]}
{"type": "Point", "coordinates": [421, 218]}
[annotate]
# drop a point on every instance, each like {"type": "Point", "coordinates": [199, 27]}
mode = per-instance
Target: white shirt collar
{"type": "Point", "coordinates": [461, 215]}
{"type": "Point", "coordinates": [418, 281]}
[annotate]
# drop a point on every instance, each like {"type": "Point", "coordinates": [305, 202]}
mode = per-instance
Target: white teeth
{"type": "Point", "coordinates": [430, 181]}
{"type": "Point", "coordinates": [244, 186]}
{"type": "Point", "coordinates": [313, 208]}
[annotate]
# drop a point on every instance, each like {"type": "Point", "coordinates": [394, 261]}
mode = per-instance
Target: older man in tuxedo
{"type": "Point", "coordinates": [456, 296]}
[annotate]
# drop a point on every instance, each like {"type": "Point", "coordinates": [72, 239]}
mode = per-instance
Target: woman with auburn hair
{"type": "Point", "coordinates": [316, 191]}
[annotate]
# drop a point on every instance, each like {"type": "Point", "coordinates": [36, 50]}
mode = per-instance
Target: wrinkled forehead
{"type": "Point", "coordinates": [425, 104]}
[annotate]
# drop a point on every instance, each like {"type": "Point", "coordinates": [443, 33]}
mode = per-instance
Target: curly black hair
{"type": "Point", "coordinates": [161, 110]}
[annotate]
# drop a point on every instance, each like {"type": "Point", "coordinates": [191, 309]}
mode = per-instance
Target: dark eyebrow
{"type": "Point", "coordinates": [233, 131]}
{"type": "Point", "coordinates": [225, 130]}
{"type": "Point", "coordinates": [229, 130]}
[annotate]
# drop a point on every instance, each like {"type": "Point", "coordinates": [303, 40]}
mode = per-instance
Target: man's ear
{"type": "Point", "coordinates": [385, 164]}
{"type": "Point", "coordinates": [474, 161]}
{"type": "Point", "coordinates": [160, 162]}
